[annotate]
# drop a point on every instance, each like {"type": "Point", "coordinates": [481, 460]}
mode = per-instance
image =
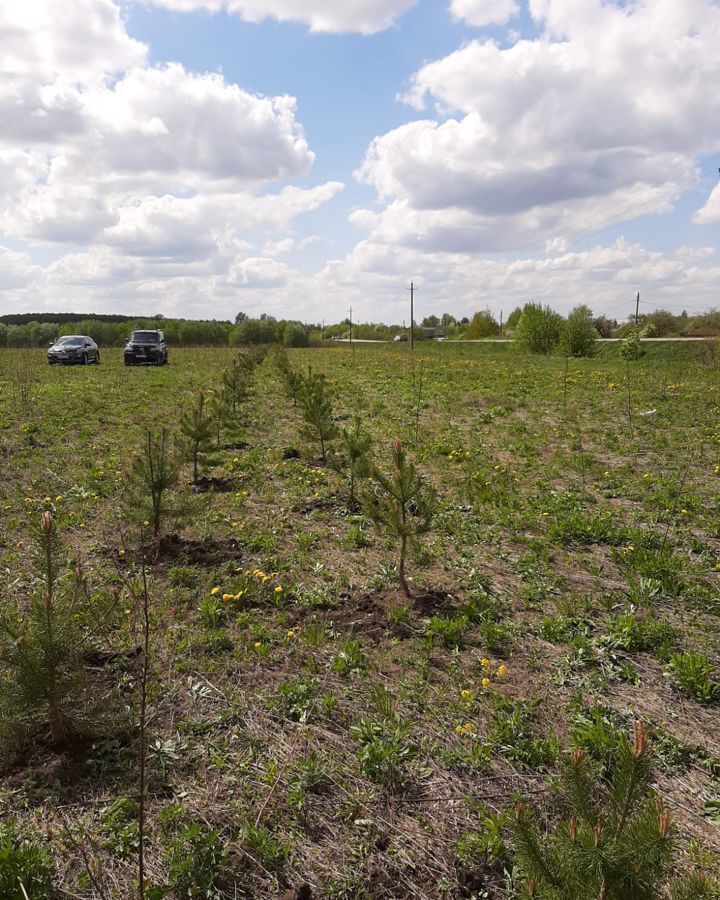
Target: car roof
{"type": "Point", "coordinates": [64, 337]}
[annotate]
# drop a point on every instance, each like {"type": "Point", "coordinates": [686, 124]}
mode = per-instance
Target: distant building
{"type": "Point", "coordinates": [433, 334]}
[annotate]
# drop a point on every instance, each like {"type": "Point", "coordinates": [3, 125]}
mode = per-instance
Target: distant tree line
{"type": "Point", "coordinates": [535, 327]}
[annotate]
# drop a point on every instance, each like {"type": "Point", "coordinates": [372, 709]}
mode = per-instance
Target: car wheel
{"type": "Point", "coordinates": [97, 358]}
{"type": "Point", "coordinates": [85, 359]}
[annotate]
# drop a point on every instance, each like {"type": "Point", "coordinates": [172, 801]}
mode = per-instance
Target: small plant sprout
{"type": "Point", "coordinates": [353, 459]}
{"type": "Point", "coordinates": [197, 426]}
{"type": "Point", "coordinates": [402, 505]}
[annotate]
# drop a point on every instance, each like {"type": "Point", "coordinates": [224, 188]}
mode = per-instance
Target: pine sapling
{"type": "Point", "coordinates": [235, 380]}
{"type": "Point", "coordinates": [220, 409]}
{"type": "Point", "coordinates": [155, 470]}
{"type": "Point", "coordinates": [197, 425]}
{"type": "Point", "coordinates": [402, 505]}
{"type": "Point", "coordinates": [41, 669]}
{"type": "Point", "coordinates": [317, 411]}
{"type": "Point", "coordinates": [353, 459]}
{"type": "Point", "coordinates": [616, 842]}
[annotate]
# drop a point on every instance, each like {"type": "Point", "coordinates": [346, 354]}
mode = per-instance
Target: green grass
{"type": "Point", "coordinates": [308, 724]}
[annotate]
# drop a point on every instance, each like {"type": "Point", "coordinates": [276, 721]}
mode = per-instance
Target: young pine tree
{"type": "Point", "coordinates": [317, 411]}
{"type": "Point", "coordinates": [155, 470]}
{"type": "Point", "coordinates": [42, 677]}
{"type": "Point", "coordinates": [220, 409]}
{"type": "Point", "coordinates": [353, 460]}
{"type": "Point", "coordinates": [617, 842]}
{"type": "Point", "coordinates": [197, 426]}
{"type": "Point", "coordinates": [402, 505]}
{"type": "Point", "coordinates": [235, 381]}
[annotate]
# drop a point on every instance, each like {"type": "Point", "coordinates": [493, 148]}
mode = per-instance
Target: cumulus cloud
{"type": "Point", "coordinates": [171, 180]}
{"type": "Point", "coordinates": [75, 41]}
{"type": "Point", "coordinates": [545, 132]}
{"type": "Point", "coordinates": [364, 16]}
{"type": "Point", "coordinates": [710, 212]}
{"type": "Point", "coordinates": [484, 12]}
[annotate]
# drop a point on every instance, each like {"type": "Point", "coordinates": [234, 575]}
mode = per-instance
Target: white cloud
{"type": "Point", "coordinates": [364, 16]}
{"type": "Point", "coordinates": [76, 40]}
{"type": "Point", "coordinates": [484, 12]}
{"type": "Point", "coordinates": [16, 270]}
{"type": "Point", "coordinates": [710, 212]}
{"type": "Point", "coordinates": [546, 134]}
{"type": "Point", "coordinates": [259, 272]}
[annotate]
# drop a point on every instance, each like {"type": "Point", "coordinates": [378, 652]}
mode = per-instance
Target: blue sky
{"type": "Point", "coordinates": [197, 157]}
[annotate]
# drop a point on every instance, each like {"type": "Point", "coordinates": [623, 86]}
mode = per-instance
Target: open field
{"type": "Point", "coordinates": [326, 730]}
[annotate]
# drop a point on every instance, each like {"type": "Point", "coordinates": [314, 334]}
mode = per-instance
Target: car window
{"type": "Point", "coordinates": [144, 336]}
{"type": "Point", "coordinates": [72, 341]}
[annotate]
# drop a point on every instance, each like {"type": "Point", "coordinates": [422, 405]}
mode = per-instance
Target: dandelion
{"type": "Point", "coordinates": [146, 523]}
{"type": "Point", "coordinates": [239, 595]}
{"type": "Point", "coordinates": [278, 590]}
{"type": "Point", "coordinates": [485, 663]}
{"type": "Point", "coordinates": [502, 671]}
{"type": "Point", "coordinates": [459, 729]}
{"type": "Point", "coordinates": [468, 727]}
{"type": "Point", "coordinates": [233, 524]}
{"type": "Point", "coordinates": [228, 597]}
{"type": "Point", "coordinates": [215, 590]}
{"type": "Point", "coordinates": [58, 499]}
{"type": "Point", "coordinates": [485, 682]}
{"type": "Point", "coordinates": [466, 695]}
{"type": "Point", "coordinates": [121, 552]}
{"type": "Point", "coordinates": [258, 645]}
{"type": "Point", "coordinates": [291, 633]}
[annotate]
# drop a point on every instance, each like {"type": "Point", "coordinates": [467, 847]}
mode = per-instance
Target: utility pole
{"type": "Point", "coordinates": [500, 323]}
{"type": "Point", "coordinates": [412, 314]}
{"type": "Point", "coordinates": [322, 333]}
{"type": "Point", "coordinates": [351, 327]}
{"type": "Point", "coordinates": [637, 309]}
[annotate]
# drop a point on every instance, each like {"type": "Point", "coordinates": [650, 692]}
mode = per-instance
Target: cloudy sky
{"type": "Point", "coordinates": [201, 157]}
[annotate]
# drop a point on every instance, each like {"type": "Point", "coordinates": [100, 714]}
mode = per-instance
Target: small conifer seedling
{"type": "Point", "coordinates": [197, 426]}
{"type": "Point", "coordinates": [317, 411]}
{"type": "Point", "coordinates": [155, 470]}
{"type": "Point", "coordinates": [353, 459]}
{"type": "Point", "coordinates": [402, 504]}
{"type": "Point", "coordinates": [615, 844]}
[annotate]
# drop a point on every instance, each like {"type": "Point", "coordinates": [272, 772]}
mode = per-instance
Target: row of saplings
{"type": "Point", "coordinates": [614, 841]}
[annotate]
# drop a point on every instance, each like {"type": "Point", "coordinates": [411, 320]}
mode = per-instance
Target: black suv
{"type": "Point", "coordinates": [146, 347]}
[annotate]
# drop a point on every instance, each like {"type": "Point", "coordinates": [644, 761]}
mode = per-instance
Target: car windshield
{"type": "Point", "coordinates": [71, 341]}
{"type": "Point", "coordinates": [144, 336]}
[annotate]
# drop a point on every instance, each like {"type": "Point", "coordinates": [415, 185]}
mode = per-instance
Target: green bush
{"type": "Point", "coordinates": [579, 335]}
{"type": "Point", "coordinates": [198, 864]}
{"type": "Point", "coordinates": [26, 869]}
{"type": "Point", "coordinates": [539, 329]}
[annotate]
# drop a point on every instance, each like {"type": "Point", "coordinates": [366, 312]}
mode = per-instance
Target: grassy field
{"type": "Point", "coordinates": [307, 723]}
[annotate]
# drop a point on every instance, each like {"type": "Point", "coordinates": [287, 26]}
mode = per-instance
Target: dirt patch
{"type": "Point", "coordinates": [218, 485]}
{"type": "Point", "coordinates": [173, 548]}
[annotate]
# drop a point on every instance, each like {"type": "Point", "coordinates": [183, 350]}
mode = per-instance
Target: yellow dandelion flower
{"type": "Point", "coordinates": [486, 682]}
{"type": "Point", "coordinates": [502, 671]}
{"type": "Point", "coordinates": [468, 726]}
{"type": "Point", "coordinates": [291, 633]}
{"type": "Point", "coordinates": [466, 695]}
{"type": "Point", "coordinates": [227, 597]}
{"type": "Point", "coordinates": [485, 663]}
{"type": "Point", "coordinates": [459, 729]}
{"type": "Point", "coordinates": [278, 589]}
{"type": "Point", "coordinates": [215, 590]}
{"type": "Point", "coordinates": [58, 499]}
{"type": "Point", "coordinates": [258, 645]}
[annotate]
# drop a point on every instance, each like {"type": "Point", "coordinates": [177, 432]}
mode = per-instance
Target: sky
{"type": "Point", "coordinates": [199, 158]}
